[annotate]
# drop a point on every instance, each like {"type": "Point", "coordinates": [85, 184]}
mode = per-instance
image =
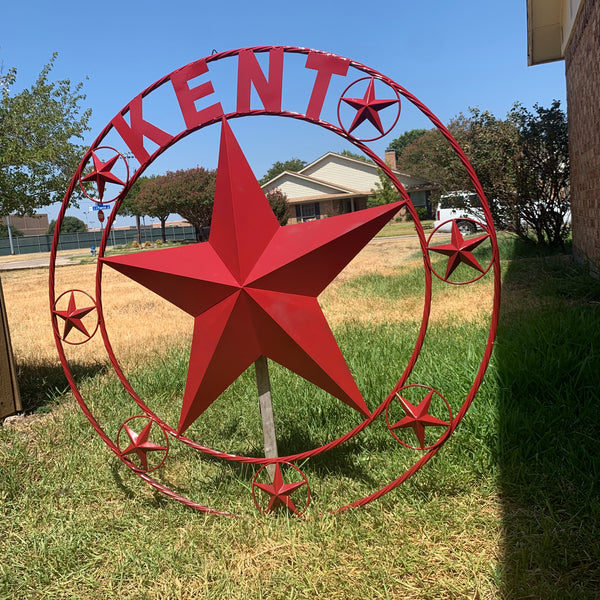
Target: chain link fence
{"type": "Point", "coordinates": [85, 240]}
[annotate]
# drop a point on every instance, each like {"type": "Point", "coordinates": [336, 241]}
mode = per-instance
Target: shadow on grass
{"type": "Point", "coordinates": [548, 357]}
{"type": "Point", "coordinates": [42, 384]}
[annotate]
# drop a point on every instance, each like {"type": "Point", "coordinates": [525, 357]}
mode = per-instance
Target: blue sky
{"type": "Point", "coordinates": [450, 54]}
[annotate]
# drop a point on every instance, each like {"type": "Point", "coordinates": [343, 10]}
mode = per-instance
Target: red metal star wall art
{"type": "Point", "coordinates": [253, 292]}
{"type": "Point", "coordinates": [279, 493]}
{"type": "Point", "coordinates": [368, 107]}
{"type": "Point", "coordinates": [419, 417]}
{"type": "Point", "coordinates": [141, 445]}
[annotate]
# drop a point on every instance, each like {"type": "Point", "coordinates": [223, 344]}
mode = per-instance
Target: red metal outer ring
{"type": "Point", "coordinates": [360, 145]}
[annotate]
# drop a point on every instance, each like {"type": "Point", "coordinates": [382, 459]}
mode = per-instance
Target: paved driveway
{"type": "Point", "coordinates": [32, 261]}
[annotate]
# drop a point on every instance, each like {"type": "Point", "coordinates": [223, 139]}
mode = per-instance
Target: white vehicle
{"type": "Point", "coordinates": [452, 206]}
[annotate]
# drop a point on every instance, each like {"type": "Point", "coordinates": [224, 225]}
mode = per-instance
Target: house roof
{"type": "Point", "coordinates": [301, 178]}
{"type": "Point", "coordinates": [549, 27]}
{"type": "Point", "coordinates": [337, 176]}
{"type": "Point", "coordinates": [405, 178]}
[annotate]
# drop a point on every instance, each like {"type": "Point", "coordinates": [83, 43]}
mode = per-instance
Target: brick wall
{"type": "Point", "coordinates": [28, 225]}
{"type": "Point", "coordinates": [582, 65]}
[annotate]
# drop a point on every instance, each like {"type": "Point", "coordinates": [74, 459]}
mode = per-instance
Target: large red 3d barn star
{"type": "Point", "coordinates": [252, 288]}
{"type": "Point", "coordinates": [460, 250]}
{"type": "Point", "coordinates": [368, 108]}
{"type": "Point", "coordinates": [102, 173]}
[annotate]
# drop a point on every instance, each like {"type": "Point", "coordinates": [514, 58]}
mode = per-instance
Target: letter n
{"type": "Point", "coordinates": [249, 72]}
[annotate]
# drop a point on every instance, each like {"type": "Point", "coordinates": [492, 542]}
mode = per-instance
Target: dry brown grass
{"type": "Point", "coordinates": [140, 323]}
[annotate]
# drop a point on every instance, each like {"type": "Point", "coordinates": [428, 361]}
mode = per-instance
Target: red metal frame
{"type": "Point", "coordinates": [326, 66]}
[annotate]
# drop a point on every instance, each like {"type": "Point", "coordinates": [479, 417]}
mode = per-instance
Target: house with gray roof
{"type": "Point", "coordinates": [335, 184]}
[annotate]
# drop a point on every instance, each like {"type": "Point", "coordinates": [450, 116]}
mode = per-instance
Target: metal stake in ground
{"type": "Point", "coordinates": [263, 384]}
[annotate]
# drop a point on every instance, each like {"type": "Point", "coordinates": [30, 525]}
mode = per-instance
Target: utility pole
{"type": "Point", "coordinates": [10, 239]}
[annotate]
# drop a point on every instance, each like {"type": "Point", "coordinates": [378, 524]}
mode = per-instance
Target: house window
{"type": "Point", "coordinates": [308, 212]}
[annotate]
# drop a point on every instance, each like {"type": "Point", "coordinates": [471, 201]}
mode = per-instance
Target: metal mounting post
{"type": "Point", "coordinates": [263, 384]}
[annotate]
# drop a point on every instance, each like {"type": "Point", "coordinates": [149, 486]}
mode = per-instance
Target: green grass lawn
{"type": "Point", "coordinates": [509, 508]}
{"type": "Point", "coordinates": [394, 228]}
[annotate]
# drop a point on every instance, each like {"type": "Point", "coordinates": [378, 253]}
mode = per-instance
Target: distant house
{"type": "Point", "coordinates": [570, 30]}
{"type": "Point", "coordinates": [335, 184]}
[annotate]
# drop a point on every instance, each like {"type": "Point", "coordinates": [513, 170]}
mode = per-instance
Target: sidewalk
{"type": "Point", "coordinates": [37, 260]}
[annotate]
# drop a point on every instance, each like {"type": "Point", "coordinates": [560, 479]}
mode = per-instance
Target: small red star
{"type": "Point", "coordinates": [368, 108]}
{"type": "Point", "coordinates": [418, 417]}
{"type": "Point", "coordinates": [140, 444]}
{"type": "Point", "coordinates": [102, 173]}
{"type": "Point", "coordinates": [459, 251]}
{"type": "Point", "coordinates": [73, 317]}
{"type": "Point", "coordinates": [280, 492]}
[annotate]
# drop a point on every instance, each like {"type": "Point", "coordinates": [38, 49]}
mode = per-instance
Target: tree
{"type": "Point", "coordinates": [37, 129]}
{"type": "Point", "coordinates": [149, 196]}
{"type": "Point", "coordinates": [429, 157]}
{"type": "Point", "coordinates": [129, 206]}
{"type": "Point", "coordinates": [491, 146]}
{"type": "Point", "coordinates": [152, 202]}
{"type": "Point", "coordinates": [408, 137]}
{"type": "Point", "coordinates": [522, 163]}
{"type": "Point", "coordinates": [293, 164]}
{"type": "Point", "coordinates": [385, 191]}
{"type": "Point", "coordinates": [279, 204]}
{"type": "Point", "coordinates": [13, 230]}
{"type": "Point", "coordinates": [542, 174]}
{"type": "Point", "coordinates": [69, 225]}
{"type": "Point", "coordinates": [189, 193]}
